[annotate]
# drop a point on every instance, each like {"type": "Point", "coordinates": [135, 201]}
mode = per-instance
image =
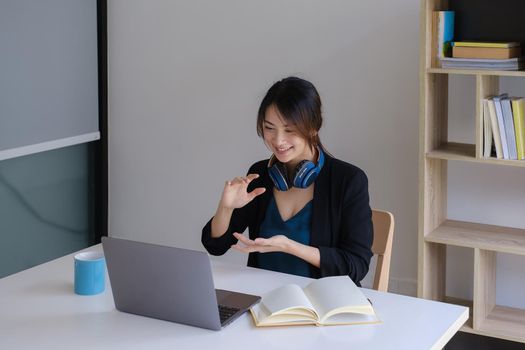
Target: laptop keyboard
{"type": "Point", "coordinates": [226, 312]}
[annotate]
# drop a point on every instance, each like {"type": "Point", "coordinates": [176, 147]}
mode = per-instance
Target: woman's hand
{"type": "Point", "coordinates": [278, 243]}
{"type": "Point", "coordinates": [235, 193]}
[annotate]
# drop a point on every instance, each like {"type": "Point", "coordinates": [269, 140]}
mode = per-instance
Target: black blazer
{"type": "Point", "coordinates": [341, 220]}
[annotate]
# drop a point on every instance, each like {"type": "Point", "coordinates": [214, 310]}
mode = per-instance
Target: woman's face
{"type": "Point", "coordinates": [283, 140]}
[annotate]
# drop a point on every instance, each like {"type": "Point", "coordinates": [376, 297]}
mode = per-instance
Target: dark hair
{"type": "Point", "coordinates": [299, 104]}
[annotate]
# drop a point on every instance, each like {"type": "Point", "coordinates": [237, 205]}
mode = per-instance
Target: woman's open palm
{"type": "Point", "coordinates": [235, 193]}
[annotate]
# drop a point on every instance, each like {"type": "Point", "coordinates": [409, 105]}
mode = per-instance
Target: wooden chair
{"type": "Point", "coordinates": [383, 235]}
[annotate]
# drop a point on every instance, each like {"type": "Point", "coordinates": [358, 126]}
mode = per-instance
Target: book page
{"type": "Point", "coordinates": [350, 318]}
{"type": "Point", "coordinates": [286, 298]}
{"type": "Point", "coordinates": [263, 318]}
{"type": "Point", "coordinates": [339, 294]}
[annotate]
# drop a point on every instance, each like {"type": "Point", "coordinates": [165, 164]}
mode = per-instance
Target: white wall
{"type": "Point", "coordinates": [186, 79]}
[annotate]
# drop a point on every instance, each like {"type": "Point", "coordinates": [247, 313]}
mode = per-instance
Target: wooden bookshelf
{"type": "Point", "coordinates": [474, 235]}
{"type": "Point", "coordinates": [454, 151]}
{"type": "Point", "coordinates": [502, 322]}
{"type": "Point", "coordinates": [467, 153]}
{"type": "Point", "coordinates": [436, 231]}
{"type": "Point", "coordinates": [499, 73]}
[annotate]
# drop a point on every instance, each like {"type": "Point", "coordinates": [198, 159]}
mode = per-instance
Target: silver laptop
{"type": "Point", "coordinates": [171, 284]}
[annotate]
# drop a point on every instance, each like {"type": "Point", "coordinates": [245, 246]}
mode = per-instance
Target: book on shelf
{"type": "Point", "coordinates": [326, 301]}
{"type": "Point", "coordinates": [492, 44]}
{"type": "Point", "coordinates": [508, 122]}
{"type": "Point", "coordinates": [518, 112]}
{"type": "Point", "coordinates": [442, 35]}
{"type": "Point", "coordinates": [495, 128]}
{"type": "Point", "coordinates": [487, 130]}
{"type": "Point", "coordinates": [501, 125]}
{"type": "Point", "coordinates": [486, 52]}
{"type": "Point", "coordinates": [516, 63]}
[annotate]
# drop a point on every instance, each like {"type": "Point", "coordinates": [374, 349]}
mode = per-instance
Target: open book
{"type": "Point", "coordinates": [326, 301]}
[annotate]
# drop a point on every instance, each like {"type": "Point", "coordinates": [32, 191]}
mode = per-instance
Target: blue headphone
{"type": "Point", "coordinates": [304, 174]}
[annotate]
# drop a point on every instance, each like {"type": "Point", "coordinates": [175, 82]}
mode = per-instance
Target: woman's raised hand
{"type": "Point", "coordinates": [235, 193]}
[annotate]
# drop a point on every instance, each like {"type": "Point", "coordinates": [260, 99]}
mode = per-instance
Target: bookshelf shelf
{"type": "Point", "coordinates": [502, 322]}
{"type": "Point", "coordinates": [475, 235]}
{"type": "Point", "coordinates": [454, 151]}
{"type": "Point", "coordinates": [503, 326]}
{"type": "Point", "coordinates": [505, 322]}
{"type": "Point", "coordinates": [467, 152]}
{"type": "Point", "coordinates": [475, 21]}
{"type": "Point", "coordinates": [500, 73]}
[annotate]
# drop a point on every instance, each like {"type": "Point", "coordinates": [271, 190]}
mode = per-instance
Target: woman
{"type": "Point", "coordinates": [308, 213]}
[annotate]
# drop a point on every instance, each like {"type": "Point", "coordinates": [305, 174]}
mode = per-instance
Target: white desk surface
{"type": "Point", "coordinates": [39, 310]}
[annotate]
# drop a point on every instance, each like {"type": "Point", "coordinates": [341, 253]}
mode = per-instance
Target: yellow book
{"type": "Point", "coordinates": [518, 112]}
{"type": "Point", "coordinates": [486, 44]}
{"type": "Point", "coordinates": [486, 52]}
{"type": "Point", "coordinates": [326, 301]}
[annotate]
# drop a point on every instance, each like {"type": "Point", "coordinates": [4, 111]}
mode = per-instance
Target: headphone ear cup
{"type": "Point", "coordinates": [310, 176]}
{"type": "Point", "coordinates": [302, 174]}
{"type": "Point", "coordinates": [279, 177]}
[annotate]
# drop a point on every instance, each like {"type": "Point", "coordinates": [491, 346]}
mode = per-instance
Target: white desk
{"type": "Point", "coordinates": [38, 310]}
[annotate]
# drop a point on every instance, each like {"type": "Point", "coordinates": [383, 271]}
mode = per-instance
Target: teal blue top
{"type": "Point", "coordinates": [296, 228]}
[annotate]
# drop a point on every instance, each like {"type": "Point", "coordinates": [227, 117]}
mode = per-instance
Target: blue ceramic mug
{"type": "Point", "coordinates": [90, 273]}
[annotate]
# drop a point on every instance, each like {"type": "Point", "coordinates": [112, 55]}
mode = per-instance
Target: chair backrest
{"type": "Point", "coordinates": [383, 235]}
